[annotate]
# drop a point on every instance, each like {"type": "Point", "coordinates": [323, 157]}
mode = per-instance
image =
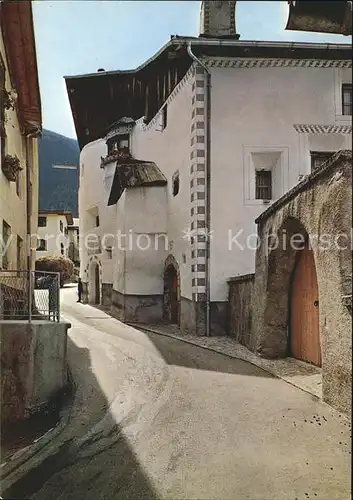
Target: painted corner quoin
{"type": "Point", "coordinates": [198, 185]}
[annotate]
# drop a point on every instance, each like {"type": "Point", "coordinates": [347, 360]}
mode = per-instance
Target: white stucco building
{"type": "Point", "coordinates": [221, 128]}
{"type": "Point", "coordinates": [52, 233]}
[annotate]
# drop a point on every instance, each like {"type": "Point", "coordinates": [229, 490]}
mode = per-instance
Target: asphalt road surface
{"type": "Point", "coordinates": [156, 418]}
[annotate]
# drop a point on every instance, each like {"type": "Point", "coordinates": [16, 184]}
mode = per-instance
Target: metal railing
{"type": "Point", "coordinates": [33, 295]}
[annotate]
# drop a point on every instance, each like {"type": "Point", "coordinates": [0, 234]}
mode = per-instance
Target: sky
{"type": "Point", "coordinates": [80, 36]}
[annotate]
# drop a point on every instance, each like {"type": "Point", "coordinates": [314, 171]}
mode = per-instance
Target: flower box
{"type": "Point", "coordinates": [11, 167]}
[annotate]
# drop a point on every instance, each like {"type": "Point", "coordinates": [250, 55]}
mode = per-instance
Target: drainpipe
{"type": "Point", "coordinates": [208, 182]}
{"type": "Point", "coordinates": [29, 225]}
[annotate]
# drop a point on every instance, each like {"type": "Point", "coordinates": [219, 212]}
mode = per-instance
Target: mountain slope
{"type": "Point", "coordinates": [58, 187]}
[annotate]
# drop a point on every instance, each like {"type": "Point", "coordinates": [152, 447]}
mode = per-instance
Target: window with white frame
{"type": "Point", "coordinates": [264, 178]}
{"type": "Point", "coordinates": [343, 94]}
{"type": "Point", "coordinates": [347, 99]}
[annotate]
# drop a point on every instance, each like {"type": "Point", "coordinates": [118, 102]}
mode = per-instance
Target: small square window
{"type": "Point", "coordinates": [118, 143]}
{"type": "Point", "coordinates": [318, 158]}
{"type": "Point", "coordinates": [41, 246]}
{"type": "Point", "coordinates": [263, 185]}
{"type": "Point", "coordinates": [42, 221]}
{"type": "Point", "coordinates": [347, 99]}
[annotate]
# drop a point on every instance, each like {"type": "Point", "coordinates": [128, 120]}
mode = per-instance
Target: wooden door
{"type": "Point", "coordinates": [97, 287]}
{"type": "Point", "coordinates": [304, 311]}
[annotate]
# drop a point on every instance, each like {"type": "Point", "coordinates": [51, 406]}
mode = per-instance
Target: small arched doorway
{"type": "Point", "coordinates": [171, 310]}
{"type": "Point", "coordinates": [304, 309]}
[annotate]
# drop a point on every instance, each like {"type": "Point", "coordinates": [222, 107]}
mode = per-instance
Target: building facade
{"type": "Point", "coordinates": [73, 233]}
{"type": "Point", "coordinates": [231, 127]}
{"type": "Point", "coordinates": [20, 125]}
{"type": "Point", "coordinates": [53, 234]}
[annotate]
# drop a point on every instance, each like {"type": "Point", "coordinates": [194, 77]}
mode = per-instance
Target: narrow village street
{"type": "Point", "coordinates": [154, 417]}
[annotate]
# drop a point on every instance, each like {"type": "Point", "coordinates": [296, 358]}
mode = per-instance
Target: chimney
{"type": "Point", "coordinates": [217, 19]}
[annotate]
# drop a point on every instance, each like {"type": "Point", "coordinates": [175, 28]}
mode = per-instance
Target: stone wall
{"type": "Point", "coordinates": [240, 307]}
{"type": "Point", "coordinates": [33, 366]}
{"type": "Point", "coordinates": [137, 308]}
{"type": "Point", "coordinates": [107, 294]}
{"type": "Point", "coordinates": [320, 205]}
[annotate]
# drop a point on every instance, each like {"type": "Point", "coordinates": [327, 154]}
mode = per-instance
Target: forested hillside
{"type": "Point", "coordinates": [58, 187]}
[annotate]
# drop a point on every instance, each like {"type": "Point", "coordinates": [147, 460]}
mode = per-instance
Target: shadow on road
{"type": "Point", "coordinates": [91, 463]}
{"type": "Point", "coordinates": [178, 353]}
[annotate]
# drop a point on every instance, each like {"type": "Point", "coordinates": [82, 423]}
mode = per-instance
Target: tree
{"type": "Point", "coordinates": [61, 265]}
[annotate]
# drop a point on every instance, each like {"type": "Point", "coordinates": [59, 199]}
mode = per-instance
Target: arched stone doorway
{"type": "Point", "coordinates": [171, 296]}
{"type": "Point", "coordinates": [292, 301]}
{"type": "Point", "coordinates": [94, 284]}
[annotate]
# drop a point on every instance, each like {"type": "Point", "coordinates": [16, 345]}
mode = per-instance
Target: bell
{"type": "Point", "coordinates": [320, 17]}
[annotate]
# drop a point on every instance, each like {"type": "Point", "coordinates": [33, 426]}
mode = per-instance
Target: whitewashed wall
{"type": "Point", "coordinates": [94, 191]}
{"type": "Point", "coordinates": [170, 150]}
{"type": "Point", "coordinates": [253, 111]}
{"type": "Point", "coordinates": [146, 242]}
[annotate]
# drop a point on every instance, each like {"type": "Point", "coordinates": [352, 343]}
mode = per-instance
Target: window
{"type": "Point", "coordinates": [6, 235]}
{"type": "Point", "coordinates": [175, 183]}
{"type": "Point", "coordinates": [42, 221]}
{"type": "Point", "coordinates": [263, 184]}
{"type": "Point", "coordinates": [109, 252]}
{"type": "Point", "coordinates": [347, 99]}
{"type": "Point", "coordinates": [62, 249]}
{"type": "Point", "coordinates": [66, 231]}
{"type": "Point", "coordinates": [164, 117]}
{"type": "Point", "coordinates": [61, 226]}
{"type": "Point", "coordinates": [318, 158]}
{"type": "Point", "coordinates": [41, 246]}
{"type": "Point", "coordinates": [19, 252]}
{"type": "Point", "coordinates": [118, 143]}
{"type": "Point", "coordinates": [18, 184]}
{"type": "Point", "coordinates": [97, 220]}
